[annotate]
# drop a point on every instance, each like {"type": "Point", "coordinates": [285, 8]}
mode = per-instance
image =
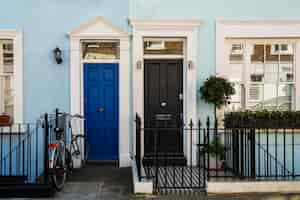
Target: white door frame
{"type": "Point", "coordinates": [99, 29]}
{"type": "Point", "coordinates": [187, 29]}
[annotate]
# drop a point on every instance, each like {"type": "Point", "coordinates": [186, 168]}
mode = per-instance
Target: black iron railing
{"type": "Point", "coordinates": [24, 152]}
{"type": "Point", "coordinates": [211, 152]}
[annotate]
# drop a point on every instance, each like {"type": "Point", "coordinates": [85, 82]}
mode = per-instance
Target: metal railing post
{"type": "Point", "coordinates": [207, 148]}
{"type": "Point", "coordinates": [191, 151]}
{"type": "Point", "coordinates": [253, 162]}
{"type": "Point", "coordinates": [199, 156]}
{"type": "Point", "coordinates": [138, 145]}
{"type": "Point", "coordinates": [46, 155]}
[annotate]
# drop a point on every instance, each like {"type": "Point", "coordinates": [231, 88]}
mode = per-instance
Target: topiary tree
{"type": "Point", "coordinates": [216, 90]}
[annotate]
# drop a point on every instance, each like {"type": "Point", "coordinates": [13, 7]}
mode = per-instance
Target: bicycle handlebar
{"type": "Point", "coordinates": [72, 116]}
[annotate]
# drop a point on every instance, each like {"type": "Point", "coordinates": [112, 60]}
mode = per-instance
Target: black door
{"type": "Point", "coordinates": [163, 106]}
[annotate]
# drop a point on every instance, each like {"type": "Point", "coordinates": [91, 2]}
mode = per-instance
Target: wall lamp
{"type": "Point", "coordinates": [190, 65]}
{"type": "Point", "coordinates": [58, 55]}
{"type": "Point", "coordinates": [139, 64]}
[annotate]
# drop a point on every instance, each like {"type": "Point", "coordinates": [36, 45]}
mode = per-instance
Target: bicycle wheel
{"type": "Point", "coordinates": [59, 171]}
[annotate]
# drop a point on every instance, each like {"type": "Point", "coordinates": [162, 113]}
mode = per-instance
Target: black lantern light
{"type": "Point", "coordinates": [58, 55]}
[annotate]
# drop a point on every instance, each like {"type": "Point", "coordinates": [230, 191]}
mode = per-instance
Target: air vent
{"type": "Point", "coordinates": [254, 93]}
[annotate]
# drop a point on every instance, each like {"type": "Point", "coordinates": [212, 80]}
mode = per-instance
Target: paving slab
{"type": "Point", "coordinates": [98, 182]}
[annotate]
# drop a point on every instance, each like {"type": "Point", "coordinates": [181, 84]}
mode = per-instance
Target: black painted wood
{"type": "Point", "coordinates": [163, 107]}
{"type": "Point", "coordinates": [12, 180]}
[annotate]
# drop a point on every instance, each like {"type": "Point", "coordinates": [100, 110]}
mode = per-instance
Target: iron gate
{"type": "Point", "coordinates": [171, 170]}
{"type": "Point", "coordinates": [211, 152]}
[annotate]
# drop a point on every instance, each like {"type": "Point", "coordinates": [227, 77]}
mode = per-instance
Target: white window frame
{"type": "Point", "coordinates": [17, 37]}
{"type": "Point", "coordinates": [247, 52]}
{"type": "Point", "coordinates": [258, 29]}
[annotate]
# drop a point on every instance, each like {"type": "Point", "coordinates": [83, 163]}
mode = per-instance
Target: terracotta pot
{"type": "Point", "coordinates": [215, 164]}
{"type": "Point", "coordinates": [5, 120]}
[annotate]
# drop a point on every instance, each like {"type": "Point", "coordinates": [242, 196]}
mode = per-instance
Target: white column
{"type": "Point", "coordinates": [1, 80]}
{"type": "Point", "coordinates": [297, 76]}
{"type": "Point", "coordinates": [138, 84]}
{"type": "Point", "coordinates": [191, 97]}
{"type": "Point", "coordinates": [76, 77]}
{"type": "Point", "coordinates": [76, 87]}
{"type": "Point", "coordinates": [124, 91]}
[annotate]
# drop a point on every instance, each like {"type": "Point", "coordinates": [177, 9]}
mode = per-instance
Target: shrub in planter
{"type": "Point", "coordinates": [217, 91]}
{"type": "Point", "coordinates": [216, 152]}
{"type": "Point", "coordinates": [263, 119]}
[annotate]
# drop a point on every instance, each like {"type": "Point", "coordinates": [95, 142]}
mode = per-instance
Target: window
{"type": "Point", "coordinates": [100, 49]}
{"type": "Point", "coordinates": [264, 72]}
{"type": "Point", "coordinates": [236, 53]}
{"type": "Point", "coordinates": [283, 49]}
{"type": "Point", "coordinates": [156, 46]}
{"type": "Point", "coordinates": [6, 77]}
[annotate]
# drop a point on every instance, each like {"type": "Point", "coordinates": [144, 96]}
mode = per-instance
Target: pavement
{"type": "Point", "coordinates": [98, 182]}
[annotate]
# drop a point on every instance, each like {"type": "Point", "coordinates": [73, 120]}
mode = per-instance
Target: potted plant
{"type": "Point", "coordinates": [289, 77]}
{"type": "Point", "coordinates": [256, 77]}
{"type": "Point", "coordinates": [216, 153]}
{"type": "Point", "coordinates": [5, 120]}
{"type": "Point", "coordinates": [217, 91]}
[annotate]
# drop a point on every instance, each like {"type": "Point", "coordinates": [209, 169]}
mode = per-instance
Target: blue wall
{"type": "Point", "coordinates": [45, 25]}
{"type": "Point", "coordinates": [208, 12]}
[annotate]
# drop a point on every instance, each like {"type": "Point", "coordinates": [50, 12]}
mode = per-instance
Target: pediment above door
{"type": "Point", "coordinates": [98, 26]}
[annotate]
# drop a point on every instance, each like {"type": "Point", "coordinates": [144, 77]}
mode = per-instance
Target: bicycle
{"type": "Point", "coordinates": [57, 151]}
{"type": "Point", "coordinates": [60, 154]}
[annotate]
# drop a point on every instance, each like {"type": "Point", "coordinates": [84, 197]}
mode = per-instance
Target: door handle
{"type": "Point", "coordinates": [101, 109]}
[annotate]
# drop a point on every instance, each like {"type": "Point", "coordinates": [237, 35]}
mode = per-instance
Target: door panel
{"type": "Point", "coordinates": [101, 110]}
{"type": "Point", "coordinates": [163, 106]}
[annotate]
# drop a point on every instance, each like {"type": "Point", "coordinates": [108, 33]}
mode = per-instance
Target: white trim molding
{"type": "Point", "coordinates": [258, 29]}
{"type": "Point", "coordinates": [99, 29]}
{"type": "Point", "coordinates": [17, 37]}
{"type": "Point", "coordinates": [187, 29]}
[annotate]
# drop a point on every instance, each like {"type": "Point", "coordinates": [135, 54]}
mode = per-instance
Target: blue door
{"type": "Point", "coordinates": [101, 110]}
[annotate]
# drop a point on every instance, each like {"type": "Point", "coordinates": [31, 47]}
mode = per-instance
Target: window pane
{"type": "Point", "coordinates": [270, 96]}
{"type": "Point", "coordinates": [271, 72]}
{"type": "Point", "coordinates": [258, 53]}
{"type": "Point", "coordinates": [234, 62]}
{"type": "Point", "coordinates": [235, 101]}
{"type": "Point", "coordinates": [285, 94]}
{"type": "Point", "coordinates": [163, 47]}
{"type": "Point", "coordinates": [93, 50]}
{"type": "Point", "coordinates": [6, 93]}
{"type": "Point", "coordinates": [7, 56]}
{"type": "Point", "coordinates": [255, 97]}
{"type": "Point", "coordinates": [272, 53]}
{"type": "Point", "coordinates": [271, 63]}
{"type": "Point", "coordinates": [256, 72]}
{"type": "Point", "coordinates": [236, 53]}
{"type": "Point", "coordinates": [286, 72]}
{"type": "Point", "coordinates": [286, 68]}
{"type": "Point", "coordinates": [256, 68]}
{"type": "Point", "coordinates": [6, 77]}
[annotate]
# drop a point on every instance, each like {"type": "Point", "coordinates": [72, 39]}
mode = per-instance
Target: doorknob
{"type": "Point", "coordinates": [101, 109]}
